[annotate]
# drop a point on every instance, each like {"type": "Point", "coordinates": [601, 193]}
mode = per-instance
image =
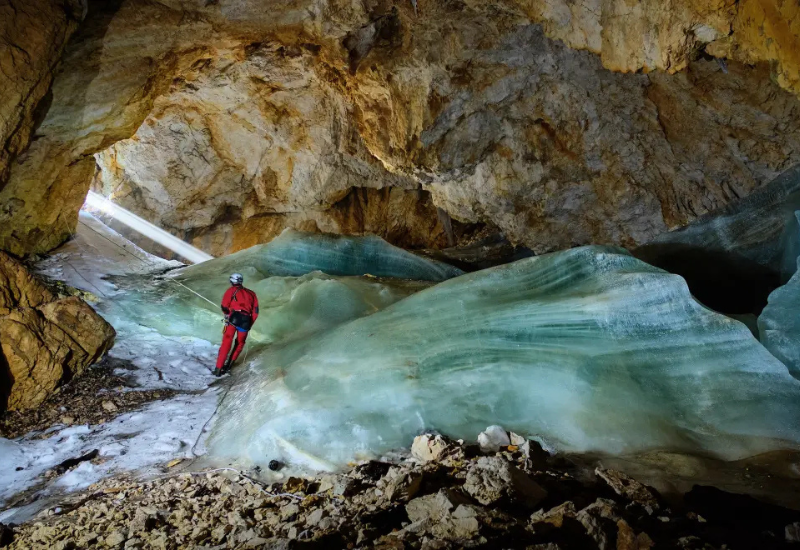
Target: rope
{"type": "Point", "coordinates": [227, 391]}
{"type": "Point", "coordinates": [210, 418]}
{"type": "Point", "coordinates": [146, 262]}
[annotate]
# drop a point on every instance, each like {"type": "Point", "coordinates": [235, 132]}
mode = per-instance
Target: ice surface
{"type": "Point", "coordinates": [135, 441]}
{"type": "Point", "coordinates": [749, 229]}
{"type": "Point", "coordinates": [96, 252]}
{"type": "Point", "coordinates": [734, 257]}
{"type": "Point", "coordinates": [304, 282]}
{"type": "Point", "coordinates": [779, 323]}
{"type": "Point", "coordinates": [296, 253]}
{"type": "Point", "coordinates": [139, 441]}
{"type": "Point", "coordinates": [589, 349]}
{"type": "Point", "coordinates": [290, 307]}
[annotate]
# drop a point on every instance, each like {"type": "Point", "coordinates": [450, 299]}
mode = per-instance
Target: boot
{"type": "Point", "coordinates": [218, 372]}
{"type": "Point", "coordinates": [226, 367]}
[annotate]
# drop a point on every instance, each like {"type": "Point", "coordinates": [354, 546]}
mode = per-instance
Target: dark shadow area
{"type": "Point", "coordinates": [725, 282]}
{"type": "Point", "coordinates": [489, 251]}
{"type": "Point", "coordinates": [734, 257]}
{"type": "Point", "coordinates": [6, 381]}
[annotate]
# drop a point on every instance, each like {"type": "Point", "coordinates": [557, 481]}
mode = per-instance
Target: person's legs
{"type": "Point", "coordinates": [225, 347]}
{"type": "Point", "coordinates": [241, 337]}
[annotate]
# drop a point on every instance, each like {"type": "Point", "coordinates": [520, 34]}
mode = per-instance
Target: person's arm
{"type": "Point", "coordinates": [226, 301]}
{"type": "Point", "coordinates": [255, 307]}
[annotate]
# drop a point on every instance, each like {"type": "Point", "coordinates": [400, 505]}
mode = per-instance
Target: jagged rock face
{"type": "Point", "coordinates": [33, 34]}
{"type": "Point", "coordinates": [229, 121]}
{"type": "Point", "coordinates": [44, 339]}
{"type": "Point", "coordinates": [252, 140]}
{"type": "Point", "coordinates": [503, 126]}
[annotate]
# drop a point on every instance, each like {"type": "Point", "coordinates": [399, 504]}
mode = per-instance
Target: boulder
{"type": "Point", "coordinates": [429, 447]}
{"type": "Point", "coordinates": [627, 539]}
{"type": "Point", "coordinates": [402, 485]}
{"type": "Point", "coordinates": [555, 516]}
{"type": "Point", "coordinates": [493, 479]}
{"type": "Point", "coordinates": [630, 488]}
{"type": "Point", "coordinates": [792, 532]}
{"type": "Point", "coordinates": [44, 339]}
{"type": "Point", "coordinates": [492, 438]}
{"type": "Point", "coordinates": [446, 515]}
{"type": "Point", "coordinates": [435, 507]}
{"type": "Point", "coordinates": [600, 521]}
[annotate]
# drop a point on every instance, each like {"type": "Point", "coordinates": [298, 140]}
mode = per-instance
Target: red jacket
{"type": "Point", "coordinates": [239, 298]}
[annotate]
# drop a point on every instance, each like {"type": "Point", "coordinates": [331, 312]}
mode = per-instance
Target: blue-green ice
{"type": "Point", "coordinates": [589, 349]}
{"type": "Point", "coordinates": [779, 323]}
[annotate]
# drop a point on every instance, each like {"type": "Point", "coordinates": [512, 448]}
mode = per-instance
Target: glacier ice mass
{"type": "Point", "coordinates": [734, 257]}
{"type": "Point", "coordinates": [305, 283]}
{"type": "Point", "coordinates": [779, 323]}
{"type": "Point", "coordinates": [295, 253]}
{"type": "Point", "coordinates": [590, 349]}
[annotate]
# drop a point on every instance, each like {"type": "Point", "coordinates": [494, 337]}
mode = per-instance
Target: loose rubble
{"type": "Point", "coordinates": [92, 397]}
{"type": "Point", "coordinates": [461, 498]}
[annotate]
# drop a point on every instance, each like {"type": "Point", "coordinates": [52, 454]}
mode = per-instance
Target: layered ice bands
{"type": "Point", "coordinates": [305, 283]}
{"type": "Point", "coordinates": [779, 323]}
{"type": "Point", "coordinates": [590, 349]}
{"type": "Point", "coordinates": [295, 253]}
{"type": "Point", "coordinates": [290, 307]}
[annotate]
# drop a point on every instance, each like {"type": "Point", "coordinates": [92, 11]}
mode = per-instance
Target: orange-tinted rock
{"type": "Point", "coordinates": [226, 125]}
{"type": "Point", "coordinates": [44, 339]}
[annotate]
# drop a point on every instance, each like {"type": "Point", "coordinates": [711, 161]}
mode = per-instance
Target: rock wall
{"type": "Point", "coordinates": [226, 122]}
{"type": "Point", "coordinates": [44, 339]}
{"type": "Point", "coordinates": [33, 34]}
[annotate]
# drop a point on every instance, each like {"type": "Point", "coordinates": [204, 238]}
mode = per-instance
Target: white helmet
{"type": "Point", "coordinates": [236, 279]}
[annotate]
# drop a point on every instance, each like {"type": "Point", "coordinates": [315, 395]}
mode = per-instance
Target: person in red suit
{"type": "Point", "coordinates": [240, 306]}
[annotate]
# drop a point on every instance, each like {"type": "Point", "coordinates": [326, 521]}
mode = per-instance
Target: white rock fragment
{"type": "Point", "coordinates": [492, 438]}
{"type": "Point", "coordinates": [428, 447]}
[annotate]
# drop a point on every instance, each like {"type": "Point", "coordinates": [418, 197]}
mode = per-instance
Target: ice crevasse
{"type": "Point", "coordinates": [589, 349]}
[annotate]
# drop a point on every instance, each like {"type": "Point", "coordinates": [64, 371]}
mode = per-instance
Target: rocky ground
{"type": "Point", "coordinates": [446, 495]}
{"type": "Point", "coordinates": [92, 397]}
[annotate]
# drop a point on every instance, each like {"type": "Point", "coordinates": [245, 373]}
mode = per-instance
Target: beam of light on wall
{"type": "Point", "coordinates": [93, 200]}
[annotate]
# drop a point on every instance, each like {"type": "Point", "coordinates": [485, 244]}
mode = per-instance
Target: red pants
{"type": "Point", "coordinates": [227, 341]}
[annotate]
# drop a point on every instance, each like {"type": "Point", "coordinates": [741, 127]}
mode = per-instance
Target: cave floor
{"type": "Point", "coordinates": [163, 403]}
{"type": "Point", "coordinates": [149, 402]}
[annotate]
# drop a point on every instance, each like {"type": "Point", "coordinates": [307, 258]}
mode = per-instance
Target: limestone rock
{"type": "Point", "coordinates": [792, 532]}
{"type": "Point", "coordinates": [33, 34]}
{"type": "Point", "coordinates": [446, 515]}
{"type": "Point", "coordinates": [402, 485]}
{"type": "Point", "coordinates": [628, 487]}
{"type": "Point", "coordinates": [315, 517]}
{"type": "Point", "coordinates": [435, 507]}
{"type": "Point", "coordinates": [19, 288]}
{"type": "Point", "coordinates": [44, 340]}
{"type": "Point", "coordinates": [411, 122]}
{"type": "Point", "coordinates": [600, 521]}
{"type": "Point", "coordinates": [492, 438]}
{"type": "Point", "coordinates": [555, 516]}
{"type": "Point", "coordinates": [428, 447]}
{"type": "Point", "coordinates": [493, 479]}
